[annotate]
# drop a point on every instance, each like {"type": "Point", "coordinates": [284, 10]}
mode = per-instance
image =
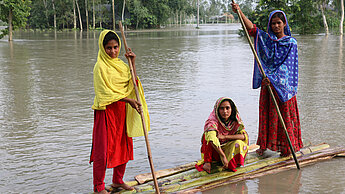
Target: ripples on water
{"type": "Point", "coordinates": [46, 92]}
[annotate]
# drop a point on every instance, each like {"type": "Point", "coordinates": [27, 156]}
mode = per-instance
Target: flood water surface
{"type": "Point", "coordinates": [46, 93]}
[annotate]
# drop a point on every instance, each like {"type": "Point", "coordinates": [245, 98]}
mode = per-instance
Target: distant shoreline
{"type": "Point", "coordinates": [167, 28]}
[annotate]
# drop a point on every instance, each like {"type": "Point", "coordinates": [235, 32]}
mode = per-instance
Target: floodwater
{"type": "Point", "coordinates": [46, 93]}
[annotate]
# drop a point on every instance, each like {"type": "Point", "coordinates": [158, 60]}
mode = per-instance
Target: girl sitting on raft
{"type": "Point", "coordinates": [224, 138]}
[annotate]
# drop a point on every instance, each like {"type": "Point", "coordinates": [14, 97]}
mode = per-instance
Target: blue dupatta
{"type": "Point", "coordinates": [279, 59]}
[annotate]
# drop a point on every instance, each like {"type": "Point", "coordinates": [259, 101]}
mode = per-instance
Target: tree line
{"type": "Point", "coordinates": [304, 16]}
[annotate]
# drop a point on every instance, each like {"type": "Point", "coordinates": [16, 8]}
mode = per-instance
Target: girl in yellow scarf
{"type": "Point", "coordinates": [116, 118]}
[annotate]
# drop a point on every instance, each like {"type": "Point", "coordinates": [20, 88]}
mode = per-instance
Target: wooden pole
{"type": "Point", "coordinates": [269, 88]}
{"type": "Point", "coordinates": [113, 3]}
{"type": "Point", "coordinates": [141, 111]}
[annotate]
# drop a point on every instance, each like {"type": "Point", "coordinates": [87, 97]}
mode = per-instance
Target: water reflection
{"type": "Point", "coordinates": [340, 59]}
{"type": "Point", "coordinates": [277, 183]}
{"type": "Point", "coordinates": [11, 49]}
{"type": "Point", "coordinates": [236, 188]}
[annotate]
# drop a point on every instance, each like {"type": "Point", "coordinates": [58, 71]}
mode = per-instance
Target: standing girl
{"type": "Point", "coordinates": [115, 113]}
{"type": "Point", "coordinates": [278, 54]}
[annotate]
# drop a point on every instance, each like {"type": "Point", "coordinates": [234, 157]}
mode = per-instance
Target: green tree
{"type": "Point", "coordinates": [15, 13]}
{"type": "Point", "coordinates": [264, 8]}
{"type": "Point", "coordinates": [38, 18]}
{"type": "Point", "coordinates": [306, 17]}
{"type": "Point", "coordinates": [139, 14]}
{"type": "Point", "coordinates": [158, 11]}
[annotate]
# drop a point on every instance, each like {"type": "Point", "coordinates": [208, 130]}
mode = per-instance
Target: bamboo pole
{"type": "Point", "coordinates": [269, 88]}
{"type": "Point", "coordinates": [113, 4]}
{"type": "Point", "coordinates": [141, 112]}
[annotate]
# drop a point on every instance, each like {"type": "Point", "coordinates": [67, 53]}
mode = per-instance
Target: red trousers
{"type": "Point", "coordinates": [99, 154]}
{"type": "Point", "coordinates": [210, 154]}
{"type": "Point", "coordinates": [271, 132]}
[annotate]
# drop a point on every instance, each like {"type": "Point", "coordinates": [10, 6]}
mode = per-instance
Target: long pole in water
{"type": "Point", "coordinates": [269, 88]}
{"type": "Point", "coordinates": [141, 112]}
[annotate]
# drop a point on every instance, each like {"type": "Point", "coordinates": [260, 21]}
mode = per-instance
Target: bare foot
{"type": "Point", "coordinates": [207, 167]}
{"type": "Point", "coordinates": [123, 186]}
{"type": "Point", "coordinates": [260, 152]}
{"type": "Point", "coordinates": [102, 192]}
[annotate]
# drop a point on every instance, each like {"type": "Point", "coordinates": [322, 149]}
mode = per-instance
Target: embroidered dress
{"type": "Point", "coordinates": [235, 150]}
{"type": "Point", "coordinates": [279, 59]}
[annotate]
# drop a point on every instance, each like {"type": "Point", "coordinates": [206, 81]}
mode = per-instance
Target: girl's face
{"type": "Point", "coordinates": [277, 26]}
{"type": "Point", "coordinates": [225, 110]}
{"type": "Point", "coordinates": [112, 48]}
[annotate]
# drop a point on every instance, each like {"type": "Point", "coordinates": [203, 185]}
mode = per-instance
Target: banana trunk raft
{"type": "Point", "coordinates": [186, 179]}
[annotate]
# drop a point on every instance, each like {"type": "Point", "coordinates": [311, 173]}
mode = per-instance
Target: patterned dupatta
{"type": "Point", "coordinates": [214, 123]}
{"type": "Point", "coordinates": [279, 59]}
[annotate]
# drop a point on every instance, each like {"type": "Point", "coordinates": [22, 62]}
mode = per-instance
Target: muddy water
{"type": "Point", "coordinates": [46, 92]}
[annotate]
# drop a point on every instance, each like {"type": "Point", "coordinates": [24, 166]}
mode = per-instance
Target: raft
{"type": "Point", "coordinates": [186, 179]}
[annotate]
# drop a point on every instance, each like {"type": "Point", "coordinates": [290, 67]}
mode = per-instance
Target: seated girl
{"type": "Point", "coordinates": [224, 138]}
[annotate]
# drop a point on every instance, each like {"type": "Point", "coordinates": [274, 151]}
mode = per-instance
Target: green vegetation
{"type": "Point", "coordinates": [305, 16]}
{"type": "Point", "coordinates": [15, 13]}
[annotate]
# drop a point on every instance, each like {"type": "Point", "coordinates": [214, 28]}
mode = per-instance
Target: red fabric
{"type": "Point", "coordinates": [111, 147]}
{"type": "Point", "coordinates": [99, 147]}
{"type": "Point", "coordinates": [252, 32]}
{"type": "Point", "coordinates": [271, 133]}
{"type": "Point", "coordinates": [120, 146]}
{"type": "Point", "coordinates": [118, 173]}
{"type": "Point", "coordinates": [199, 167]}
{"type": "Point", "coordinates": [210, 154]}
{"type": "Point", "coordinates": [236, 161]}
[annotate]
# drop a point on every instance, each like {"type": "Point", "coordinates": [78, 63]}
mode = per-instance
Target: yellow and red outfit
{"type": "Point", "coordinates": [115, 122]}
{"type": "Point", "coordinates": [234, 150]}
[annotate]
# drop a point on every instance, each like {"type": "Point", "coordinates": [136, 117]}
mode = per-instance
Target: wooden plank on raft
{"type": "Point", "coordinates": [192, 178]}
{"type": "Point", "coordinates": [251, 157]}
{"type": "Point", "coordinates": [326, 154]}
{"type": "Point", "coordinates": [143, 178]}
{"type": "Point", "coordinates": [340, 155]}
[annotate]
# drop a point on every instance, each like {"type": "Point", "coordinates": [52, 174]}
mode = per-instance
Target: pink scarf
{"type": "Point", "coordinates": [214, 123]}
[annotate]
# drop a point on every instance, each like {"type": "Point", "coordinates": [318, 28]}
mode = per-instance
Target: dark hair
{"type": "Point", "coordinates": [233, 109]}
{"type": "Point", "coordinates": [279, 15]}
{"type": "Point", "coordinates": [110, 36]}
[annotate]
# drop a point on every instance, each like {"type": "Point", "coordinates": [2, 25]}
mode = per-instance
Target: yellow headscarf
{"type": "Point", "coordinates": [112, 82]}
